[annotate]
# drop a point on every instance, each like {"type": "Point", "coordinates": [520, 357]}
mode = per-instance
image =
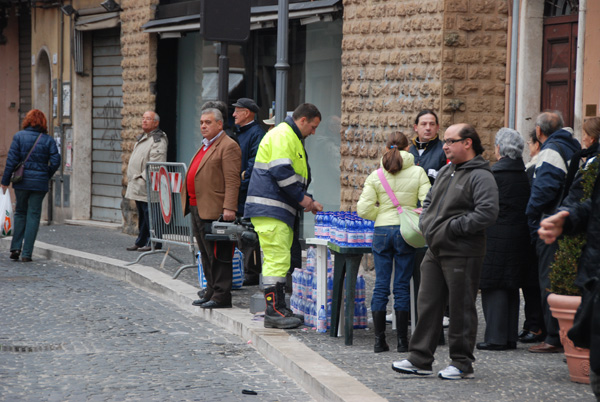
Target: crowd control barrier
{"type": "Point", "coordinates": [168, 225]}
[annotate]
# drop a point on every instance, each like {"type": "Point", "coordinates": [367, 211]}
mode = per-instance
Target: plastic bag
{"type": "Point", "coordinates": [6, 214]}
{"type": "Point", "coordinates": [238, 270]}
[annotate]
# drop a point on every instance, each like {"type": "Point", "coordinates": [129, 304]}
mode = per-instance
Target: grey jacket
{"type": "Point", "coordinates": [151, 147]}
{"type": "Point", "coordinates": [459, 207]}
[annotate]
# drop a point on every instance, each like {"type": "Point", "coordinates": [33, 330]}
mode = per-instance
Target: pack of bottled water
{"type": "Point", "coordinates": [345, 229]}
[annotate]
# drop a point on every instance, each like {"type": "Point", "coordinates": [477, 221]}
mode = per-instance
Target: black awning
{"type": "Point", "coordinates": [259, 16]}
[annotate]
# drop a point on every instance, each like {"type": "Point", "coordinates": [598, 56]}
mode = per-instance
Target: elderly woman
{"type": "Point", "coordinates": [42, 163]}
{"type": "Point", "coordinates": [507, 246]}
{"type": "Point", "coordinates": [391, 253]}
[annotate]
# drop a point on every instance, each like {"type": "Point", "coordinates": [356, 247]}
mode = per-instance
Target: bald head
{"type": "Point", "coordinates": [548, 123]}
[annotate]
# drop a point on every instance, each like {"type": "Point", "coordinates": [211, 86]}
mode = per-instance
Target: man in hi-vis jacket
{"type": "Point", "coordinates": [277, 192]}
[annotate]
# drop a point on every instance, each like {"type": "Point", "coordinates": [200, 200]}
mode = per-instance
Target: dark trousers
{"type": "Point", "coordinates": [143, 238]}
{"type": "Point", "coordinates": [534, 318]}
{"type": "Point", "coordinates": [501, 312]}
{"type": "Point", "coordinates": [455, 279]}
{"type": "Point", "coordinates": [217, 258]}
{"type": "Point", "coordinates": [545, 253]}
{"type": "Point", "coordinates": [28, 212]}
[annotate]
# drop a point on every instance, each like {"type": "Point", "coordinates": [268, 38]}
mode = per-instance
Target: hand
{"type": "Point", "coordinates": [418, 210]}
{"type": "Point", "coordinates": [228, 215]}
{"type": "Point", "coordinates": [307, 203]}
{"type": "Point", "coordinates": [4, 188]}
{"type": "Point", "coordinates": [317, 207]}
{"type": "Point", "coordinates": [552, 227]}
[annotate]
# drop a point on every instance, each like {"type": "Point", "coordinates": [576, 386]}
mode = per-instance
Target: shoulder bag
{"type": "Point", "coordinates": [409, 220]}
{"type": "Point", "coordinates": [17, 174]}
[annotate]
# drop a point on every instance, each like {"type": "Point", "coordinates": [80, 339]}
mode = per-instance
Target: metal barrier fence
{"type": "Point", "coordinates": [168, 225]}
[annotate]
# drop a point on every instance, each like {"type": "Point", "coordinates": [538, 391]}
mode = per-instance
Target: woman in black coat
{"type": "Point", "coordinates": [507, 246]}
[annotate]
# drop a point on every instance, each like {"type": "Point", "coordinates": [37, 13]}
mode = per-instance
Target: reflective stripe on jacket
{"type": "Point", "coordinates": [280, 176]}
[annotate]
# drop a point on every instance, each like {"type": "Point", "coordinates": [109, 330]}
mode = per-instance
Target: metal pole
{"type": "Point", "coordinates": [223, 74]}
{"type": "Point", "coordinates": [512, 106]}
{"type": "Point", "coordinates": [282, 66]}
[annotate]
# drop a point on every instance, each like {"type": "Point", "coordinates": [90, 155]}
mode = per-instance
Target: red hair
{"type": "Point", "coordinates": [35, 118]}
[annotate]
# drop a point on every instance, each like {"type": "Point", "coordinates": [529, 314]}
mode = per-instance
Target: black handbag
{"type": "Point", "coordinates": [19, 170]}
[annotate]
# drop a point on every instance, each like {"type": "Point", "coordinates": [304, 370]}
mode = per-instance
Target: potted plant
{"type": "Point", "coordinates": [566, 297]}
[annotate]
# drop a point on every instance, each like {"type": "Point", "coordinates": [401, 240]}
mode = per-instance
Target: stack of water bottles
{"type": "Point", "coordinates": [346, 229]}
{"type": "Point", "coordinates": [304, 295]}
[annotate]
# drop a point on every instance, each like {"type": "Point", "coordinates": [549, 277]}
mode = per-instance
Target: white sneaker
{"type": "Point", "coordinates": [389, 317]}
{"type": "Point", "coordinates": [453, 373]}
{"type": "Point", "coordinates": [446, 322]}
{"type": "Point", "coordinates": [406, 367]}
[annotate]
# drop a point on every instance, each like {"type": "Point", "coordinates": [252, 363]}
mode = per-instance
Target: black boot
{"type": "Point", "coordinates": [402, 330]}
{"type": "Point", "coordinates": [379, 325]}
{"type": "Point", "coordinates": [277, 314]}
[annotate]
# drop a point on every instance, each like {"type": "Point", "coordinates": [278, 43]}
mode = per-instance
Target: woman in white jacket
{"type": "Point", "coordinates": [410, 185]}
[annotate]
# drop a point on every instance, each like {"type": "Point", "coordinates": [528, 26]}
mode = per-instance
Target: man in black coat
{"type": "Point", "coordinates": [582, 217]}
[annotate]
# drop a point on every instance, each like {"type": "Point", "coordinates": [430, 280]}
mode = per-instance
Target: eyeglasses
{"type": "Point", "coordinates": [450, 142]}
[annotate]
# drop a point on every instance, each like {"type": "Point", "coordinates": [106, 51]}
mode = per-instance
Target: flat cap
{"type": "Point", "coordinates": [247, 103]}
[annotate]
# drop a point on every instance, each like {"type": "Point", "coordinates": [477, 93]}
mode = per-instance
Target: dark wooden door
{"type": "Point", "coordinates": [558, 65]}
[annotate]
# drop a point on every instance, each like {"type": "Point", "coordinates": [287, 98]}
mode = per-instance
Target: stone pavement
{"type": "Point", "coordinates": [67, 334]}
{"type": "Point", "coordinates": [326, 368]}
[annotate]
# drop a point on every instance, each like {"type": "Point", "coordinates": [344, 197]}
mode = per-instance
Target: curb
{"type": "Point", "coordinates": [316, 375]}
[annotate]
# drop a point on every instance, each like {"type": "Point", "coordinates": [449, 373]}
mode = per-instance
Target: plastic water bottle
{"type": "Point", "coordinates": [333, 228]}
{"type": "Point", "coordinates": [305, 283]}
{"type": "Point", "coordinates": [314, 287]}
{"type": "Point", "coordinates": [356, 320]}
{"type": "Point", "coordinates": [369, 226]}
{"type": "Point", "coordinates": [328, 315]}
{"type": "Point", "coordinates": [360, 232]}
{"type": "Point", "coordinates": [360, 287]}
{"type": "Point", "coordinates": [329, 288]}
{"type": "Point", "coordinates": [352, 232]}
{"type": "Point", "coordinates": [318, 225]}
{"type": "Point", "coordinates": [326, 224]}
{"type": "Point", "coordinates": [322, 320]}
{"type": "Point", "coordinates": [363, 315]}
{"type": "Point", "coordinates": [311, 259]}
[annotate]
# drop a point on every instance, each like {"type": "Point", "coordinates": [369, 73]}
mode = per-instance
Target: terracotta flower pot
{"type": "Point", "coordinates": [563, 308]}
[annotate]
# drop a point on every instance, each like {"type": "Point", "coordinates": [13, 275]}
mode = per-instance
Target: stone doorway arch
{"type": "Point", "coordinates": [42, 88]}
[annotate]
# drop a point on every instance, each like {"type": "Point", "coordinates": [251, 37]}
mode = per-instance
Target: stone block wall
{"type": "Point", "coordinates": [139, 73]}
{"type": "Point", "coordinates": [474, 66]}
{"type": "Point", "coordinates": [402, 56]}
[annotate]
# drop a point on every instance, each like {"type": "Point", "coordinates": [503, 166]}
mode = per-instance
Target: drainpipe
{"type": "Point", "coordinates": [282, 66]}
{"type": "Point", "coordinates": [512, 101]}
{"type": "Point", "coordinates": [578, 120]}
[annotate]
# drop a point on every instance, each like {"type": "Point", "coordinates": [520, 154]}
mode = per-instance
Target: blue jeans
{"type": "Point", "coordinates": [27, 220]}
{"type": "Point", "coordinates": [389, 247]}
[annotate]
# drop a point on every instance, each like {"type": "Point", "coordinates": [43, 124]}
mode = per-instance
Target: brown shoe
{"type": "Point", "coordinates": [132, 248]}
{"type": "Point", "coordinates": [546, 348]}
{"type": "Point", "coordinates": [144, 249]}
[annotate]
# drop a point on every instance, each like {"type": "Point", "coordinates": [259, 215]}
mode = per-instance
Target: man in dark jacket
{"type": "Point", "coordinates": [583, 218]}
{"type": "Point", "coordinates": [249, 134]}
{"type": "Point", "coordinates": [456, 212]}
{"type": "Point", "coordinates": [558, 146]}
{"type": "Point", "coordinates": [426, 146]}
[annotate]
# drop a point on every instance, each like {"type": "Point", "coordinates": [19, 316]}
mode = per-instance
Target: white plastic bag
{"type": "Point", "coordinates": [6, 213]}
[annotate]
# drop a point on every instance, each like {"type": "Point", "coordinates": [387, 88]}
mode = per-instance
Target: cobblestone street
{"type": "Point", "coordinates": [70, 334]}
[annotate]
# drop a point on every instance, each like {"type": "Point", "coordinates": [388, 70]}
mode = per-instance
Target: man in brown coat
{"type": "Point", "coordinates": [211, 189]}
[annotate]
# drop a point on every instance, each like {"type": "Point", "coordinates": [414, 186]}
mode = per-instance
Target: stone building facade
{"type": "Point", "coordinates": [139, 76]}
{"type": "Point", "coordinates": [399, 57]}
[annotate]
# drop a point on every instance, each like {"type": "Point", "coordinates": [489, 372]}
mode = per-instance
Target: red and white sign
{"type": "Point", "coordinates": [164, 194]}
{"type": "Point", "coordinates": [175, 180]}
